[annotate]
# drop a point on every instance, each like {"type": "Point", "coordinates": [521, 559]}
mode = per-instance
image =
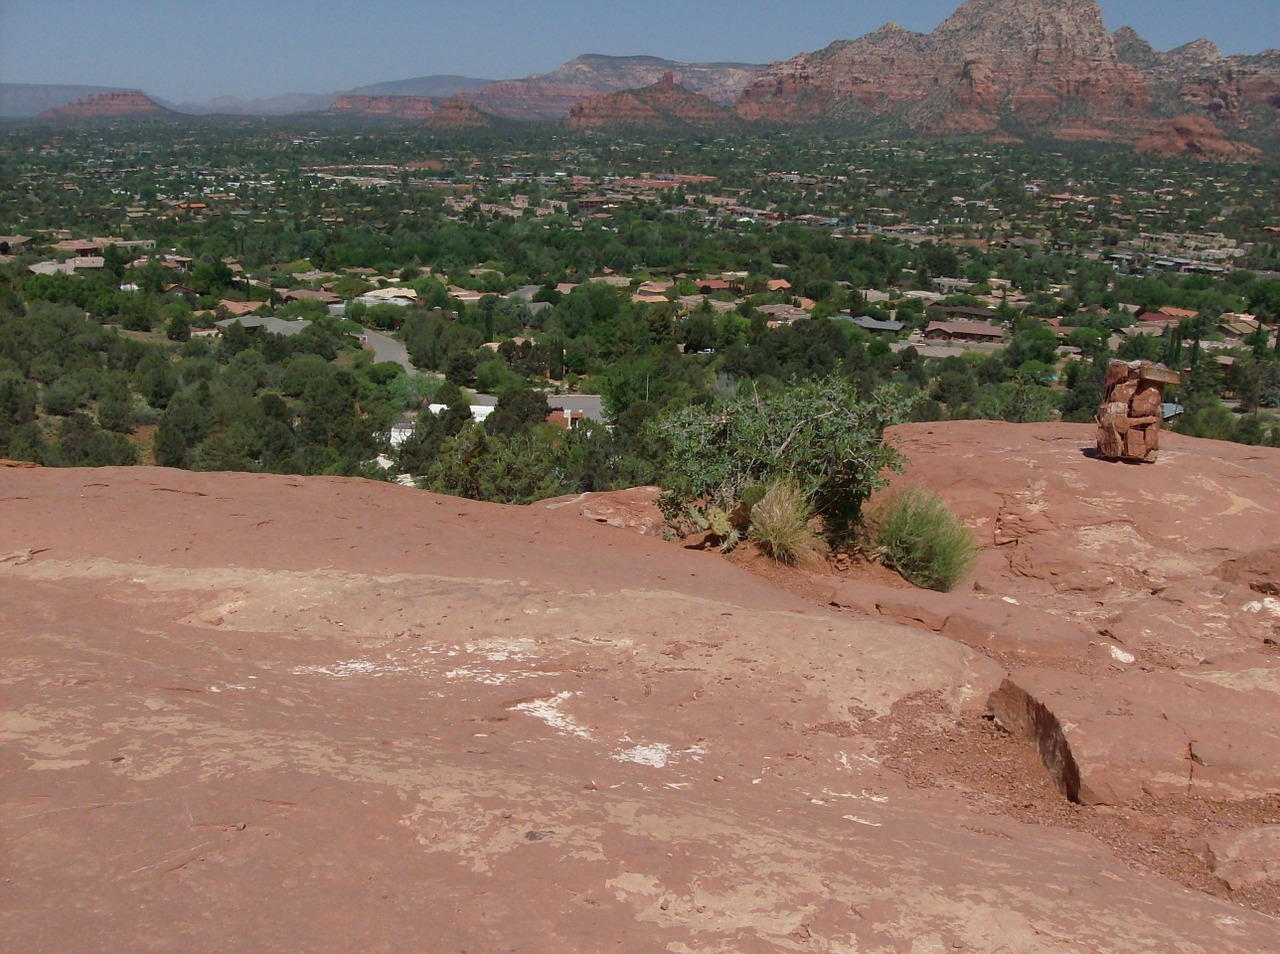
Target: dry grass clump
{"type": "Point", "coordinates": [780, 524]}
{"type": "Point", "coordinates": [919, 537]}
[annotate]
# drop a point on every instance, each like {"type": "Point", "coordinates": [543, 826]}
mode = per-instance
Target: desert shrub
{"type": "Point", "coordinates": [819, 434]}
{"type": "Point", "coordinates": [780, 523]}
{"type": "Point", "coordinates": [719, 524]}
{"type": "Point", "coordinates": [924, 541]}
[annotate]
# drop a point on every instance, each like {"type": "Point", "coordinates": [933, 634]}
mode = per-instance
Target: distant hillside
{"type": "Point", "coordinates": [415, 108]}
{"type": "Point", "coordinates": [1004, 69]}
{"type": "Point", "coordinates": [662, 106]}
{"type": "Point", "coordinates": [456, 114]}
{"type": "Point", "coordinates": [552, 95]}
{"type": "Point", "coordinates": [436, 86]}
{"type": "Point", "coordinates": [1046, 64]}
{"type": "Point", "coordinates": [440, 86]}
{"type": "Point", "coordinates": [27, 100]}
{"type": "Point", "coordinates": [116, 104]}
{"type": "Point", "coordinates": [285, 104]}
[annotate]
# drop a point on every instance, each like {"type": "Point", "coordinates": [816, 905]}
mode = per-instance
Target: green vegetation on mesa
{"type": "Point", "coordinates": [711, 313]}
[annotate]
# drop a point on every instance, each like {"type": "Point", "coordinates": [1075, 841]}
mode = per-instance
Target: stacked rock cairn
{"type": "Point", "coordinates": [1129, 416]}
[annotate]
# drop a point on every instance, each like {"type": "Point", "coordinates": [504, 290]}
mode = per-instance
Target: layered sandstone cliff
{"type": "Point", "coordinates": [1241, 91]}
{"type": "Point", "coordinates": [664, 105]}
{"type": "Point", "coordinates": [1051, 65]}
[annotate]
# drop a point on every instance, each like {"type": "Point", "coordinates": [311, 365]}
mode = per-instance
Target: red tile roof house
{"type": "Point", "coordinates": [1166, 315]}
{"type": "Point", "coordinates": [236, 308]}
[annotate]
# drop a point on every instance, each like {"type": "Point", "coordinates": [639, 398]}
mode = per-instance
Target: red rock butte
{"type": "Point", "coordinates": [1197, 136]}
{"type": "Point", "coordinates": [247, 712]}
{"type": "Point", "coordinates": [119, 104]}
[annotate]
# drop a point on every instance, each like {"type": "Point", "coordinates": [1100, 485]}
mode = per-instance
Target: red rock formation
{"type": "Point", "coordinates": [1042, 63]}
{"type": "Point", "coordinates": [663, 105]}
{"type": "Point", "coordinates": [474, 727]}
{"type": "Point", "coordinates": [1129, 417]}
{"type": "Point", "coordinates": [1153, 668]}
{"type": "Point", "coordinates": [415, 108]}
{"type": "Point", "coordinates": [458, 113]}
{"type": "Point", "coordinates": [1195, 136]}
{"type": "Point", "coordinates": [552, 95]}
{"type": "Point", "coordinates": [121, 104]}
{"type": "Point", "coordinates": [1242, 91]}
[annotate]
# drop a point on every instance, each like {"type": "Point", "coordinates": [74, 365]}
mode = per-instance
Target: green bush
{"type": "Point", "coordinates": [780, 523]}
{"type": "Point", "coordinates": [924, 541]}
{"type": "Point", "coordinates": [819, 434]}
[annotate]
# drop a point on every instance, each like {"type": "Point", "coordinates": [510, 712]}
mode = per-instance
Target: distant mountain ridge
{"type": "Point", "coordinates": [664, 105]}
{"type": "Point", "coordinates": [28, 100]}
{"type": "Point", "coordinates": [1047, 63]}
{"type": "Point", "coordinates": [547, 96]}
{"type": "Point", "coordinates": [1001, 69]}
{"type": "Point", "coordinates": [25, 100]}
{"type": "Point", "coordinates": [114, 104]}
{"type": "Point", "coordinates": [285, 104]}
{"type": "Point", "coordinates": [440, 86]}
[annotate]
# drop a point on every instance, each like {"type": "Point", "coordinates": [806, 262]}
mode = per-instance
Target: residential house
{"type": "Point", "coordinates": [963, 331]}
{"type": "Point", "coordinates": [1237, 325]}
{"type": "Point", "coordinates": [68, 267]}
{"type": "Point", "coordinates": [964, 313]}
{"type": "Point", "coordinates": [13, 244]}
{"type": "Point", "coordinates": [779, 315]}
{"type": "Point", "coordinates": [268, 323]}
{"type": "Point", "coordinates": [874, 325]}
{"type": "Point", "coordinates": [307, 294]}
{"type": "Point", "coordinates": [238, 308]}
{"type": "Point", "coordinates": [1168, 315]}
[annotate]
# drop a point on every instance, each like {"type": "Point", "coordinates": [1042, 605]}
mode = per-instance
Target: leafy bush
{"type": "Point", "coordinates": [923, 540]}
{"type": "Point", "coordinates": [780, 523]}
{"type": "Point", "coordinates": [818, 434]}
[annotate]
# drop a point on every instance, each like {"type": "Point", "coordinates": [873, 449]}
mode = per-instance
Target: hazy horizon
{"type": "Point", "coordinates": [250, 50]}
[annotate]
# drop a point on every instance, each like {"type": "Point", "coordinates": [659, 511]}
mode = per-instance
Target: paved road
{"type": "Point", "coordinates": [589, 404]}
{"type": "Point", "coordinates": [386, 348]}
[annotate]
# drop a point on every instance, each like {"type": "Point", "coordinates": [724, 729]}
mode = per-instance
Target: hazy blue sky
{"type": "Point", "coordinates": [249, 48]}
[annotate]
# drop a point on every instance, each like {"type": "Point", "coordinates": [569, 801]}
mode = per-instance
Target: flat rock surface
{"type": "Point", "coordinates": [1209, 732]}
{"type": "Point", "coordinates": [268, 713]}
{"type": "Point", "coordinates": [1137, 602]}
{"type": "Point", "coordinates": [1247, 858]}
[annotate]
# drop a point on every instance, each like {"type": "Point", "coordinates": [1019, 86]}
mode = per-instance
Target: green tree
{"type": "Point", "coordinates": [183, 424]}
{"type": "Point", "coordinates": [115, 405]}
{"type": "Point", "coordinates": [178, 328]}
{"type": "Point", "coordinates": [519, 409]}
{"type": "Point", "coordinates": [81, 443]}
